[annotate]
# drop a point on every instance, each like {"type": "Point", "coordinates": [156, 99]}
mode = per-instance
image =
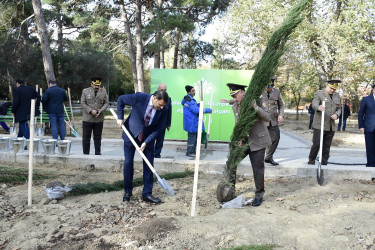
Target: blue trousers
{"type": "Point", "coordinates": [159, 143]}
{"type": "Point", "coordinates": [191, 143]}
{"type": "Point", "coordinates": [4, 125]}
{"type": "Point", "coordinates": [370, 148]}
{"type": "Point", "coordinates": [23, 130]}
{"type": "Point", "coordinates": [57, 120]}
{"type": "Point", "coordinates": [148, 179]}
{"type": "Point", "coordinates": [343, 126]}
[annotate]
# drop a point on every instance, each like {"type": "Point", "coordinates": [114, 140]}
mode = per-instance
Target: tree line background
{"type": "Point", "coordinates": [73, 40]}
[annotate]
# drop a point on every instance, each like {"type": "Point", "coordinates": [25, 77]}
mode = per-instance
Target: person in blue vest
{"type": "Point", "coordinates": [21, 106]}
{"type": "Point", "coordinates": [53, 103]}
{"type": "Point", "coordinates": [145, 122]}
{"type": "Point", "coordinates": [366, 124]}
{"type": "Point", "coordinates": [191, 115]}
{"type": "Point", "coordinates": [167, 124]}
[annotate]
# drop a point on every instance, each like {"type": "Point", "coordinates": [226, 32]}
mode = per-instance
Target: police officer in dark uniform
{"type": "Point", "coordinates": [274, 105]}
{"type": "Point", "coordinates": [332, 111]}
{"type": "Point", "coordinates": [94, 102]}
{"type": "Point", "coordinates": [258, 136]}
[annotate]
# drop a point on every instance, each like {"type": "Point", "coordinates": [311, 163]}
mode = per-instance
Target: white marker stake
{"type": "Point", "coordinates": [31, 151]}
{"type": "Point", "coordinates": [198, 151]}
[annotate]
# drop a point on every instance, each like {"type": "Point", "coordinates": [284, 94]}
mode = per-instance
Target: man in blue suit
{"type": "Point", "coordinates": [144, 123]}
{"type": "Point", "coordinates": [53, 102]}
{"type": "Point", "coordinates": [366, 123]}
{"type": "Point", "coordinates": [21, 106]}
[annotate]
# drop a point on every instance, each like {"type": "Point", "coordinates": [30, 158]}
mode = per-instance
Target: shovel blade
{"type": "Point", "coordinates": [165, 185]}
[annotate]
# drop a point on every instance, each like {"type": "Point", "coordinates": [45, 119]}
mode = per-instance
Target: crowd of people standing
{"type": "Point", "coordinates": [151, 116]}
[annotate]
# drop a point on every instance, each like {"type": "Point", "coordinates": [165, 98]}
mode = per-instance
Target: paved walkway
{"type": "Point", "coordinates": [292, 155]}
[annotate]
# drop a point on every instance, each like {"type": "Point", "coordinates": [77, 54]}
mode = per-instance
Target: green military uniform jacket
{"type": "Point", "coordinates": [91, 102]}
{"type": "Point", "coordinates": [332, 107]}
{"type": "Point", "coordinates": [259, 137]}
{"type": "Point", "coordinates": [274, 105]}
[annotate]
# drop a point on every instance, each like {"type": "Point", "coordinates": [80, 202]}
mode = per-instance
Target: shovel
{"type": "Point", "coordinates": [162, 182]}
{"type": "Point", "coordinates": [74, 132]}
{"type": "Point", "coordinates": [319, 174]}
{"type": "Point", "coordinates": [209, 123]}
{"type": "Point", "coordinates": [13, 129]}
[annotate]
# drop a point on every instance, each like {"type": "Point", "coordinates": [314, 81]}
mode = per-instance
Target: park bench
{"type": "Point", "coordinates": [8, 117]}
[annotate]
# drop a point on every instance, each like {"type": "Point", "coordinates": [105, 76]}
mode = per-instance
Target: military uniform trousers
{"type": "Point", "coordinates": [257, 163]}
{"type": "Point", "coordinates": [148, 179]}
{"type": "Point", "coordinates": [88, 128]}
{"type": "Point", "coordinates": [327, 140]}
{"type": "Point", "coordinates": [274, 132]}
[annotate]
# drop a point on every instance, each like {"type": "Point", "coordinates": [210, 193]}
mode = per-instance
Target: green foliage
{"type": "Point", "coordinates": [265, 68]}
{"type": "Point", "coordinates": [20, 175]}
{"type": "Point", "coordinates": [98, 187]}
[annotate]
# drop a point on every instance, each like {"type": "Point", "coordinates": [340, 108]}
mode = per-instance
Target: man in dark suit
{"type": "Point", "coordinates": [53, 102]}
{"type": "Point", "coordinates": [311, 114]}
{"type": "Point", "coordinates": [144, 123]}
{"type": "Point", "coordinates": [342, 120]}
{"type": "Point", "coordinates": [167, 124]}
{"type": "Point", "coordinates": [366, 123]}
{"type": "Point", "coordinates": [21, 106]}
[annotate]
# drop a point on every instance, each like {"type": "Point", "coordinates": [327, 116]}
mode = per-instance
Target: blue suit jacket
{"type": "Point", "coordinates": [135, 122]}
{"type": "Point", "coordinates": [366, 114]}
{"type": "Point", "coordinates": [53, 100]}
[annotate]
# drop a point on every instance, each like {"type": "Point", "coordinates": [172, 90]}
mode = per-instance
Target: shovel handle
{"type": "Point", "coordinates": [321, 134]}
{"type": "Point", "coordinates": [136, 145]}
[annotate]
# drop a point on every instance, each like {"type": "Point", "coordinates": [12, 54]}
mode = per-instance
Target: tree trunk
{"type": "Point", "coordinates": [157, 51]}
{"type": "Point", "coordinates": [158, 37]}
{"type": "Point", "coordinates": [129, 43]}
{"type": "Point", "coordinates": [139, 56]}
{"type": "Point", "coordinates": [43, 38]}
{"type": "Point", "coordinates": [176, 49]}
{"type": "Point", "coordinates": [60, 42]}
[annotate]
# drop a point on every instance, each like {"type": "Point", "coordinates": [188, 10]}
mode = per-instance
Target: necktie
{"type": "Point", "coordinates": [268, 95]}
{"type": "Point", "coordinates": [147, 121]}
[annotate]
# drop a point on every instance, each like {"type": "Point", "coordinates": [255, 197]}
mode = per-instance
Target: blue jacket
{"type": "Point", "coordinates": [366, 114]}
{"type": "Point", "coordinates": [135, 122]}
{"type": "Point", "coordinates": [22, 102]}
{"type": "Point", "coordinates": [191, 114]}
{"type": "Point", "coordinates": [53, 100]}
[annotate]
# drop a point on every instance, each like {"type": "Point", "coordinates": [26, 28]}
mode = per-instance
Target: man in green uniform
{"type": "Point", "coordinates": [258, 138]}
{"type": "Point", "coordinates": [94, 102]}
{"type": "Point", "coordinates": [332, 111]}
{"type": "Point", "coordinates": [275, 107]}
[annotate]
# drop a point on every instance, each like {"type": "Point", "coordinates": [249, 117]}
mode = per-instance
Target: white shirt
{"type": "Point", "coordinates": [150, 106]}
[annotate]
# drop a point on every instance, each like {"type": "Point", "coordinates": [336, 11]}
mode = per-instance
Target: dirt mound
{"type": "Point", "coordinates": [153, 229]}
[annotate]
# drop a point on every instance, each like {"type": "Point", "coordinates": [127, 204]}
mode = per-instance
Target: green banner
{"type": "Point", "coordinates": [214, 83]}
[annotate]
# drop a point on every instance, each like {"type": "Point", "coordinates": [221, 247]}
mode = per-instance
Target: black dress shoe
{"type": "Point", "coordinates": [256, 202]}
{"type": "Point", "coordinates": [127, 197]}
{"type": "Point", "coordinates": [157, 156]}
{"type": "Point", "coordinates": [311, 162]}
{"type": "Point", "coordinates": [151, 199]}
{"type": "Point", "coordinates": [272, 162]}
